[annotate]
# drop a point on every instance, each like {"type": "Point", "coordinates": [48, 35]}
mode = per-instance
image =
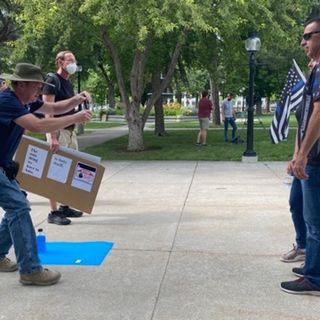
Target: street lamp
{"type": "Point", "coordinates": [252, 45]}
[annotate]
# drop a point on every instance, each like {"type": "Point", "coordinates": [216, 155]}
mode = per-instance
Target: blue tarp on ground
{"type": "Point", "coordinates": [75, 253]}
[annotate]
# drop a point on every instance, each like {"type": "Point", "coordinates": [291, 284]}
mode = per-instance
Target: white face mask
{"type": "Point", "coordinates": [71, 68]}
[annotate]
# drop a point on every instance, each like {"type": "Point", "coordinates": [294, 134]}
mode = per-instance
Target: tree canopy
{"type": "Point", "coordinates": [128, 43]}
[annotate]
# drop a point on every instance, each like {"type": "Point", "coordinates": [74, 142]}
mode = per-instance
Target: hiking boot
{"type": "Point", "coordinates": [298, 272]}
{"type": "Point", "coordinates": [6, 265]}
{"type": "Point", "coordinates": [69, 212]}
{"type": "Point", "coordinates": [300, 286]}
{"type": "Point", "coordinates": [294, 255]}
{"type": "Point", "coordinates": [44, 277]}
{"type": "Point", "coordinates": [58, 217]}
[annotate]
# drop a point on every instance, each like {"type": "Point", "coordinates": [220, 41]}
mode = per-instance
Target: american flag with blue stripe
{"type": "Point", "coordinates": [290, 98]}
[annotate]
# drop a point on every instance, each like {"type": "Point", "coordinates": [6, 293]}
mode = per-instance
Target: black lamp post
{"type": "Point", "coordinates": [252, 45]}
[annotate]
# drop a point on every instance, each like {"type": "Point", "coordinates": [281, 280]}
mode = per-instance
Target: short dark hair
{"type": "Point", "coordinates": [314, 19]}
{"type": "Point", "coordinates": [204, 93]}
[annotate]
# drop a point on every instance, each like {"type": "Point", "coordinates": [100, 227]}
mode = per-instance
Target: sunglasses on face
{"type": "Point", "coordinates": [308, 36]}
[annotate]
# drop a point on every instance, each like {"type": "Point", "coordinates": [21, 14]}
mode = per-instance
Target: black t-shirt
{"type": "Point", "coordinates": [65, 91]}
{"type": "Point", "coordinates": [310, 96]}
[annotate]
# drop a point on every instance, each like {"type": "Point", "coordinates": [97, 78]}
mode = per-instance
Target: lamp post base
{"type": "Point", "coordinates": [249, 159]}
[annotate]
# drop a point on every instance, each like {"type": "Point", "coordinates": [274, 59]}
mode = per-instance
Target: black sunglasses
{"type": "Point", "coordinates": [308, 36]}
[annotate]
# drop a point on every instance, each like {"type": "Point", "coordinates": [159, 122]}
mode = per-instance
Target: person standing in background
{"type": "Point", "coordinates": [228, 116]}
{"type": "Point", "coordinates": [204, 112]}
{"type": "Point", "coordinates": [63, 89]}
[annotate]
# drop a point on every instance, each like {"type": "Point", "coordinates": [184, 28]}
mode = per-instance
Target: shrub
{"type": "Point", "coordinates": [172, 109]}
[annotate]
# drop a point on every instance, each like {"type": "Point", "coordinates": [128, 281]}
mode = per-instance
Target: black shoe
{"type": "Point", "coordinates": [204, 145]}
{"type": "Point", "coordinates": [198, 144]}
{"type": "Point", "coordinates": [300, 286]}
{"type": "Point", "coordinates": [58, 217]}
{"type": "Point", "coordinates": [297, 272]}
{"type": "Point", "coordinates": [69, 212]}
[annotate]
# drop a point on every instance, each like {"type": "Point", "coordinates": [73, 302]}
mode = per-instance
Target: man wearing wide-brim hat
{"type": "Point", "coordinates": [3, 85]}
{"type": "Point", "coordinates": [17, 105]}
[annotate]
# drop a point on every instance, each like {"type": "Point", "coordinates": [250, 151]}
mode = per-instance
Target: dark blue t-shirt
{"type": "Point", "coordinates": [10, 133]}
{"type": "Point", "coordinates": [310, 96]}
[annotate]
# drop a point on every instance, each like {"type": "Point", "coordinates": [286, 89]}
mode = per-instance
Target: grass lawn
{"type": "Point", "coordinates": [258, 122]}
{"type": "Point", "coordinates": [180, 145]}
{"type": "Point", "coordinates": [102, 125]}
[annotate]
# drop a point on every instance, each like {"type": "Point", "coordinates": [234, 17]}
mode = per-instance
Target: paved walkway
{"type": "Point", "coordinates": [101, 135]}
{"type": "Point", "coordinates": [192, 241]}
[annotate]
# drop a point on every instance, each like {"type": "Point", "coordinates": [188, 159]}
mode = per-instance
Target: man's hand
{"type": "Point", "coordinates": [299, 167]}
{"type": "Point", "coordinates": [82, 97]}
{"type": "Point", "coordinates": [86, 95]}
{"type": "Point", "coordinates": [54, 144]}
{"type": "Point", "coordinates": [83, 116]}
{"type": "Point", "coordinates": [290, 167]}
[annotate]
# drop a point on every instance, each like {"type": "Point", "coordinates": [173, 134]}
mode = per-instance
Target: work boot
{"type": "Point", "coordinates": [6, 265]}
{"type": "Point", "coordinates": [44, 277]}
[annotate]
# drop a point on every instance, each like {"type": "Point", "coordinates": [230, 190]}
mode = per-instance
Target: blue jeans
{"type": "Point", "coordinates": [16, 227]}
{"type": "Point", "coordinates": [311, 212]}
{"type": "Point", "coordinates": [296, 208]}
{"type": "Point", "coordinates": [226, 125]}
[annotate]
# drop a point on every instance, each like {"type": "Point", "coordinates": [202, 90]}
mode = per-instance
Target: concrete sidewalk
{"type": "Point", "coordinates": [98, 136]}
{"type": "Point", "coordinates": [192, 241]}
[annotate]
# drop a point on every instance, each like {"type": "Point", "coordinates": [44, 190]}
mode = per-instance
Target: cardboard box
{"type": "Point", "coordinates": [68, 176]}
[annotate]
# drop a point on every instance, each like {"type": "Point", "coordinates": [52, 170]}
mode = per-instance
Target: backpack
{"type": "Point", "coordinates": [56, 81]}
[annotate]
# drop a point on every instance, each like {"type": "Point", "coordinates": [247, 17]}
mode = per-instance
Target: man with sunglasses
{"type": "Point", "coordinates": [306, 167]}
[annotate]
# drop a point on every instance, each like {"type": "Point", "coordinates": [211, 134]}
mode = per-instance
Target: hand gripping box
{"type": "Point", "coordinates": [68, 176]}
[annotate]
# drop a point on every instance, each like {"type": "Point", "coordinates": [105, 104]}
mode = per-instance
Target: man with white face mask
{"type": "Point", "coordinates": [66, 66]}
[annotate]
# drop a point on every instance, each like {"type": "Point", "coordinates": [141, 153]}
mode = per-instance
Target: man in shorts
{"type": "Point", "coordinates": [204, 112]}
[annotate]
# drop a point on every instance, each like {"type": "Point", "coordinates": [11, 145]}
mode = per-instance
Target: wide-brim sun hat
{"type": "Point", "coordinates": [26, 72]}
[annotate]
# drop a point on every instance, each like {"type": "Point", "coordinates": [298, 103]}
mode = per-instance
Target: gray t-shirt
{"type": "Point", "coordinates": [227, 107]}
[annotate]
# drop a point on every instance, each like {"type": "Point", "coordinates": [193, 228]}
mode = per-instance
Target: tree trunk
{"type": "Point", "coordinates": [159, 128]}
{"type": "Point", "coordinates": [268, 104]}
{"type": "Point", "coordinates": [164, 84]}
{"type": "Point", "coordinates": [215, 100]}
{"type": "Point", "coordinates": [111, 97]}
{"type": "Point", "coordinates": [197, 99]}
{"type": "Point", "coordinates": [178, 91]}
{"type": "Point", "coordinates": [135, 138]}
{"type": "Point", "coordinates": [136, 80]}
{"type": "Point", "coordinates": [110, 92]}
{"type": "Point", "coordinates": [258, 107]}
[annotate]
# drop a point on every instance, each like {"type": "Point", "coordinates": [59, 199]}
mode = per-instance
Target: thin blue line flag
{"type": "Point", "coordinates": [290, 98]}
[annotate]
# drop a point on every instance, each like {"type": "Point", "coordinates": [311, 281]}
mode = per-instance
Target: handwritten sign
{"type": "Point", "coordinates": [59, 168]}
{"type": "Point", "coordinates": [34, 161]}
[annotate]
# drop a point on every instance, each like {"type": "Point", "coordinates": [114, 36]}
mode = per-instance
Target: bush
{"type": "Point", "coordinates": [188, 112]}
{"type": "Point", "coordinates": [172, 109]}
